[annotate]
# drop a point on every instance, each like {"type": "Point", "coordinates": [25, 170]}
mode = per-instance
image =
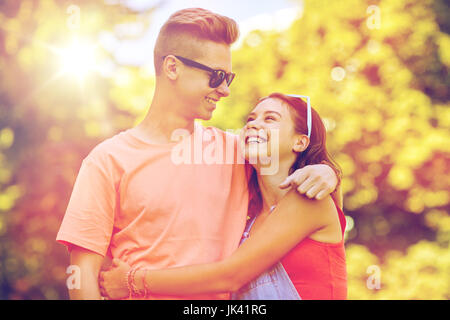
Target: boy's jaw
{"type": "Point", "coordinates": [211, 101]}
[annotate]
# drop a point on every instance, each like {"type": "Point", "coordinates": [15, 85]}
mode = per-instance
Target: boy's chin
{"type": "Point", "coordinates": [205, 116]}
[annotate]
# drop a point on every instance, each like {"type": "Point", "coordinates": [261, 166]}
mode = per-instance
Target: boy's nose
{"type": "Point", "coordinates": [223, 89]}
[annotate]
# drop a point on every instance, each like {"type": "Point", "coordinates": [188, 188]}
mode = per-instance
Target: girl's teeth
{"type": "Point", "coordinates": [254, 140]}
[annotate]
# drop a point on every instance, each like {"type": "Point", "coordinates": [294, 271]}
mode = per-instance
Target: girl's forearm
{"type": "Point", "coordinates": [197, 279]}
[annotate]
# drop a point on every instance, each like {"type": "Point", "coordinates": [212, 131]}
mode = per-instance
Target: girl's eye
{"type": "Point", "coordinates": [270, 118]}
{"type": "Point", "coordinates": [249, 119]}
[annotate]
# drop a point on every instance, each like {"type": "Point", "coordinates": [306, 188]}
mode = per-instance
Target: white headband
{"type": "Point", "coordinates": [308, 116]}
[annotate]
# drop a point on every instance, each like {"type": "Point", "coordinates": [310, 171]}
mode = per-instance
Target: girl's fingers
{"type": "Point", "coordinates": [102, 291]}
{"type": "Point", "coordinates": [116, 262]}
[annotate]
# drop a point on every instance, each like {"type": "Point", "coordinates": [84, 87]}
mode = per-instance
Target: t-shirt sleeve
{"type": "Point", "coordinates": [89, 218]}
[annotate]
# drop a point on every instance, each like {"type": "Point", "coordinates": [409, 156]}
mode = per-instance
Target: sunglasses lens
{"type": "Point", "coordinates": [230, 78]}
{"type": "Point", "coordinates": [217, 78]}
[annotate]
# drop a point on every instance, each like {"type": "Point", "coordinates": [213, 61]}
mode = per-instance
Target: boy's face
{"type": "Point", "coordinates": [199, 99]}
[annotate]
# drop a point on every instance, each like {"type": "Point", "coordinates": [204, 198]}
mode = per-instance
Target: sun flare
{"type": "Point", "coordinates": [78, 59]}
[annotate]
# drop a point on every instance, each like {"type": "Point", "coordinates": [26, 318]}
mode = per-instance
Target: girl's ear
{"type": "Point", "coordinates": [301, 143]}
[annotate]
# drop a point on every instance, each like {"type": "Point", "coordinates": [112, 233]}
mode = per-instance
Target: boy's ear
{"type": "Point", "coordinates": [301, 143]}
{"type": "Point", "coordinates": [170, 67]}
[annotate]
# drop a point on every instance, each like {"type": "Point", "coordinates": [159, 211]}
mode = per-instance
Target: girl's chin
{"type": "Point", "coordinates": [254, 150]}
{"type": "Point", "coordinates": [258, 159]}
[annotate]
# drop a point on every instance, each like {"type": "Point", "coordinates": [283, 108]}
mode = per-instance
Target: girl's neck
{"type": "Point", "coordinates": [269, 185]}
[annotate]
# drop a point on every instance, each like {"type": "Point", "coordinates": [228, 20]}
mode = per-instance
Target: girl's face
{"type": "Point", "coordinates": [270, 132]}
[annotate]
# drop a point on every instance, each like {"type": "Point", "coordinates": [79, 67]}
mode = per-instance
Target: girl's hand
{"type": "Point", "coordinates": [113, 282]}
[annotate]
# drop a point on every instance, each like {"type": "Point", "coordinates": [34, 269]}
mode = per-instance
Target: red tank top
{"type": "Point", "coordinates": [318, 269]}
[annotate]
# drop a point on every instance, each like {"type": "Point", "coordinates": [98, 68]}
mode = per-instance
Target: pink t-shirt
{"type": "Point", "coordinates": [135, 201]}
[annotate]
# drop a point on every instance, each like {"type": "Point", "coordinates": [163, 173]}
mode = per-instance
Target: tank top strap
{"type": "Point", "coordinates": [248, 227]}
{"type": "Point", "coordinates": [250, 223]}
{"type": "Point", "coordinates": [341, 215]}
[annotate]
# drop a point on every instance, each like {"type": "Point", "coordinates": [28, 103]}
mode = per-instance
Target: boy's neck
{"type": "Point", "coordinates": [161, 121]}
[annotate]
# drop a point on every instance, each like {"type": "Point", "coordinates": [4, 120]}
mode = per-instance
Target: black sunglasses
{"type": "Point", "coordinates": [217, 75]}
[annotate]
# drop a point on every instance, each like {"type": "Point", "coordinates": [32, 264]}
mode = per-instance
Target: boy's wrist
{"type": "Point", "coordinates": [336, 172]}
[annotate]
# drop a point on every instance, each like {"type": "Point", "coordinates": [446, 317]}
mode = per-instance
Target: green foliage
{"type": "Point", "coordinates": [383, 92]}
{"type": "Point", "coordinates": [381, 86]}
{"type": "Point", "coordinates": [421, 273]}
{"type": "Point", "coordinates": [49, 121]}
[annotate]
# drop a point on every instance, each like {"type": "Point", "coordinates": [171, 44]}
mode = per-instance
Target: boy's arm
{"type": "Point", "coordinates": [88, 223]}
{"type": "Point", "coordinates": [89, 264]}
{"type": "Point", "coordinates": [315, 181]}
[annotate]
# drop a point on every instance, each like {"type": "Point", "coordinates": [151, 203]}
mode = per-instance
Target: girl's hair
{"type": "Point", "coordinates": [315, 153]}
{"type": "Point", "coordinates": [182, 31]}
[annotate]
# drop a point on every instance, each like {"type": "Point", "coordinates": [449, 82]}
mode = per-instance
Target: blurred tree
{"type": "Point", "coordinates": [377, 72]}
{"type": "Point", "coordinates": [60, 94]}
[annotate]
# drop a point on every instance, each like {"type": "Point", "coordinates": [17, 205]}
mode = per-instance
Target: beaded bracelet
{"type": "Point", "coordinates": [136, 291]}
{"type": "Point", "coordinates": [128, 281]}
{"type": "Point", "coordinates": [132, 288]}
{"type": "Point", "coordinates": [145, 284]}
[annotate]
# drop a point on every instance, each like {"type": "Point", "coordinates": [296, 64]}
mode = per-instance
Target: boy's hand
{"type": "Point", "coordinates": [315, 181]}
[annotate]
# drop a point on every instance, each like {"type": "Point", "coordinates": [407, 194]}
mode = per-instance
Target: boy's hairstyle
{"type": "Point", "coordinates": [184, 31]}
